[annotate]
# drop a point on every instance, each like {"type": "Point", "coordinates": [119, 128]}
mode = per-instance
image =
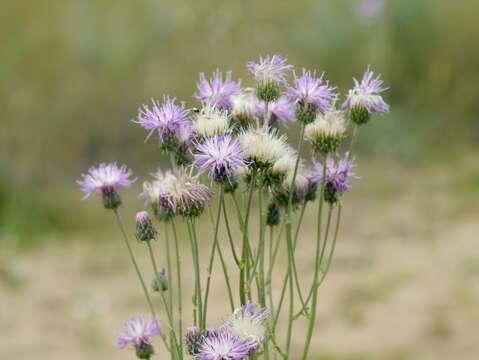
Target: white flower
{"type": "Point", "coordinates": [248, 322]}
{"type": "Point", "coordinates": [211, 121]}
{"type": "Point", "coordinates": [330, 124]}
{"type": "Point", "coordinates": [265, 146]}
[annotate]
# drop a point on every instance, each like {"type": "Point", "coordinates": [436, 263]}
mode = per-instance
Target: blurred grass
{"type": "Point", "coordinates": [73, 73]}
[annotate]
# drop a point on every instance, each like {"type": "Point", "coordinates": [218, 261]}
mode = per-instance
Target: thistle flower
{"type": "Point", "coordinates": [145, 231]}
{"type": "Point", "coordinates": [138, 332]}
{"type": "Point", "coordinates": [223, 345]}
{"type": "Point", "coordinates": [365, 99]}
{"type": "Point", "coordinates": [185, 137]}
{"type": "Point", "coordinates": [311, 94]}
{"type": "Point", "coordinates": [179, 193]}
{"type": "Point", "coordinates": [264, 148]}
{"type": "Point", "coordinates": [220, 156]}
{"type": "Point", "coordinates": [217, 92]}
{"type": "Point", "coordinates": [338, 174]}
{"type": "Point", "coordinates": [244, 107]}
{"type": "Point", "coordinates": [273, 214]}
{"type": "Point", "coordinates": [210, 121]}
{"type": "Point", "coordinates": [166, 119]}
{"type": "Point", "coordinates": [281, 110]}
{"type": "Point", "coordinates": [248, 323]}
{"type": "Point", "coordinates": [269, 73]}
{"type": "Point", "coordinates": [106, 178]}
{"type": "Point", "coordinates": [326, 132]}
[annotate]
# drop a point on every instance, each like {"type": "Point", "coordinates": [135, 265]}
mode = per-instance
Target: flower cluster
{"type": "Point", "coordinates": [239, 337]}
{"type": "Point", "coordinates": [234, 142]}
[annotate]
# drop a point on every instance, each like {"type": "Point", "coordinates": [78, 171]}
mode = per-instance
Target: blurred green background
{"type": "Point", "coordinates": [74, 72]}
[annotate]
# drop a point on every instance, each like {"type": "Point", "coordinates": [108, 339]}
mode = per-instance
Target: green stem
{"type": "Point", "coordinates": [244, 270]}
{"type": "Point", "coordinates": [170, 275]}
{"type": "Point", "coordinates": [228, 231]}
{"type": "Point", "coordinates": [178, 275]}
{"type": "Point", "coordinates": [212, 254]}
{"type": "Point", "coordinates": [312, 318]}
{"type": "Point", "coordinates": [165, 304]}
{"type": "Point", "coordinates": [195, 255]}
{"type": "Point", "coordinates": [138, 273]}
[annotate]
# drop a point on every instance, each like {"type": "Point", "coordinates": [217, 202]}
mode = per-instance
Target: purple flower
{"type": "Point", "coordinates": [106, 178]}
{"type": "Point", "coordinates": [145, 230]}
{"type": "Point", "coordinates": [217, 92]}
{"type": "Point", "coordinates": [167, 119]}
{"type": "Point", "coordinates": [223, 345]}
{"type": "Point", "coordinates": [248, 323]}
{"type": "Point", "coordinates": [309, 90]}
{"type": "Point", "coordinates": [366, 94]}
{"type": "Point", "coordinates": [338, 174]}
{"type": "Point", "coordinates": [176, 193]}
{"type": "Point", "coordinates": [220, 156]}
{"type": "Point", "coordinates": [138, 332]}
{"type": "Point", "coordinates": [281, 110]}
{"type": "Point", "coordinates": [270, 69]}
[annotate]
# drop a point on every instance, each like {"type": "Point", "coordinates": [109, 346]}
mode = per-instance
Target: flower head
{"type": "Point", "coordinates": [365, 99]}
{"type": "Point", "coordinates": [281, 110]}
{"type": "Point", "coordinates": [248, 323]}
{"type": "Point", "coordinates": [210, 121]}
{"type": "Point", "coordinates": [270, 72]}
{"type": "Point", "coordinates": [145, 230]}
{"type": "Point", "coordinates": [221, 156]}
{"type": "Point", "coordinates": [264, 148]}
{"type": "Point", "coordinates": [217, 92]}
{"type": "Point", "coordinates": [166, 119]}
{"type": "Point", "coordinates": [311, 91]}
{"type": "Point", "coordinates": [223, 345]}
{"type": "Point", "coordinates": [244, 106]}
{"type": "Point", "coordinates": [138, 331]}
{"type": "Point", "coordinates": [270, 69]}
{"type": "Point", "coordinates": [106, 178]}
{"type": "Point", "coordinates": [338, 174]}
{"type": "Point", "coordinates": [176, 193]}
{"type": "Point", "coordinates": [327, 130]}
{"type": "Point", "coordinates": [193, 340]}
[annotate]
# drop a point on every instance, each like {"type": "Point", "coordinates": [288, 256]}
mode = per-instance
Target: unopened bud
{"type": "Point", "coordinates": [145, 231]}
{"type": "Point", "coordinates": [160, 281]}
{"type": "Point", "coordinates": [305, 114]}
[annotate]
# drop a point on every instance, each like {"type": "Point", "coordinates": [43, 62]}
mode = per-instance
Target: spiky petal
{"type": "Point", "coordinates": [138, 331]}
{"type": "Point", "coordinates": [270, 69]}
{"type": "Point", "coordinates": [311, 90]}
{"type": "Point", "coordinates": [166, 119]}
{"type": "Point", "coordinates": [221, 156]}
{"type": "Point", "coordinates": [223, 345]}
{"type": "Point", "coordinates": [366, 94]}
{"type": "Point", "coordinates": [281, 110]}
{"type": "Point", "coordinates": [216, 91]}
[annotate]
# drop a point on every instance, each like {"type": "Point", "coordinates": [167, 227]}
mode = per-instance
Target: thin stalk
{"type": "Point", "coordinates": [244, 270]}
{"type": "Point", "coordinates": [165, 303]}
{"type": "Point", "coordinates": [268, 278]}
{"type": "Point", "coordinates": [333, 246]}
{"type": "Point", "coordinates": [170, 274]}
{"type": "Point", "coordinates": [178, 275]}
{"type": "Point", "coordinates": [352, 143]}
{"type": "Point", "coordinates": [138, 273]}
{"type": "Point", "coordinates": [312, 318]}
{"type": "Point", "coordinates": [228, 231]}
{"type": "Point", "coordinates": [216, 226]}
{"type": "Point", "coordinates": [195, 255]}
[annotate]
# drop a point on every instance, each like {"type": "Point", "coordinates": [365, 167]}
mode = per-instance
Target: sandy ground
{"type": "Point", "coordinates": [404, 283]}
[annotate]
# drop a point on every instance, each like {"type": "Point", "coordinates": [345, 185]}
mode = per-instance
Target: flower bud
{"type": "Point", "coordinates": [145, 231]}
{"type": "Point", "coordinates": [160, 281]}
{"type": "Point", "coordinates": [193, 340]}
{"type": "Point", "coordinates": [111, 198]}
{"type": "Point", "coordinates": [326, 132]}
{"type": "Point", "coordinates": [267, 91]}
